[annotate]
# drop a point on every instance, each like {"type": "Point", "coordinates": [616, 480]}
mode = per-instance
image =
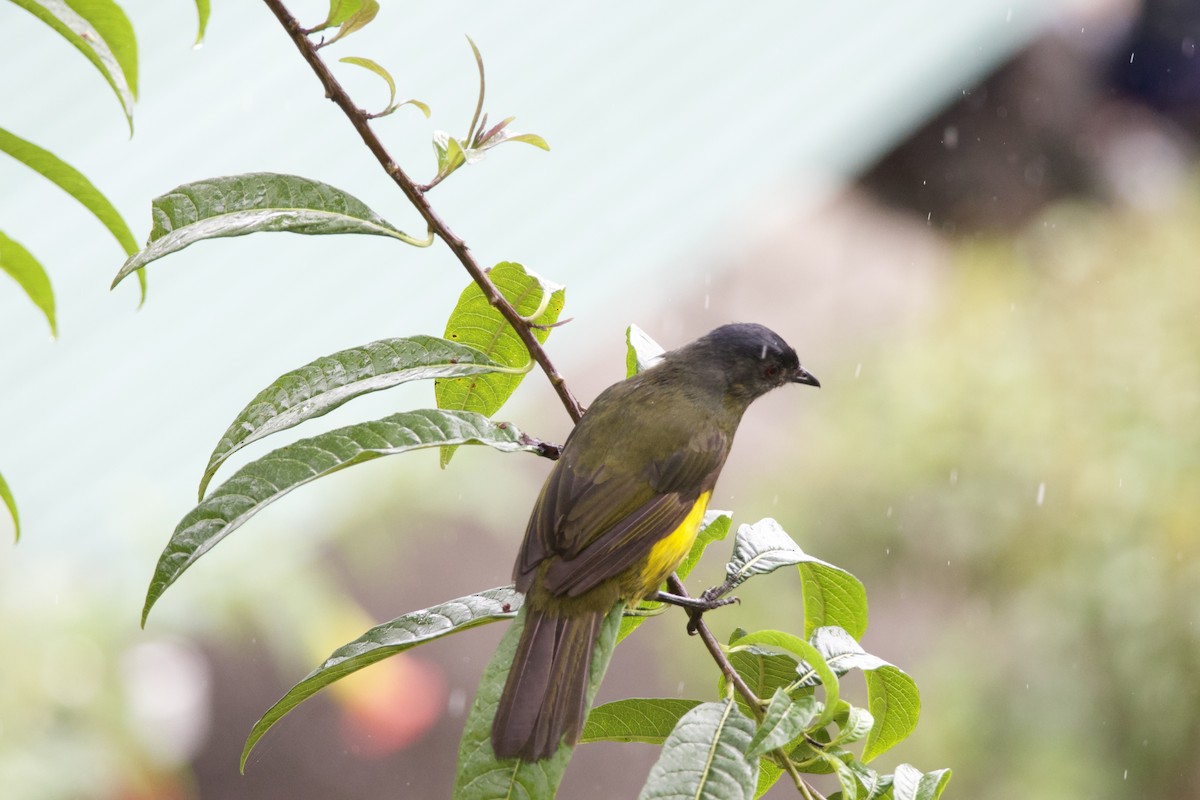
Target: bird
{"type": "Point", "coordinates": [619, 510]}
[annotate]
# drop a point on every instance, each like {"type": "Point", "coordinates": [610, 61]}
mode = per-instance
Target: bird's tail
{"type": "Point", "coordinates": [545, 697]}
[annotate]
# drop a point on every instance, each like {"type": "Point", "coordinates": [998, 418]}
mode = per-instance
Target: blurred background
{"type": "Point", "coordinates": [977, 223]}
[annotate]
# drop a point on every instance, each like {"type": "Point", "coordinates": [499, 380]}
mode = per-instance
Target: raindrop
{"type": "Point", "coordinates": [1131, 58]}
{"type": "Point", "coordinates": [887, 551]}
{"type": "Point", "coordinates": [889, 511]}
{"type": "Point", "coordinates": [706, 298]}
{"type": "Point", "coordinates": [1008, 16]}
{"type": "Point", "coordinates": [954, 476]}
{"type": "Point", "coordinates": [1189, 47]}
{"type": "Point", "coordinates": [950, 137]}
{"type": "Point", "coordinates": [775, 500]}
{"type": "Point", "coordinates": [858, 370]}
{"type": "Point", "coordinates": [1125, 777]}
{"type": "Point", "coordinates": [1041, 497]}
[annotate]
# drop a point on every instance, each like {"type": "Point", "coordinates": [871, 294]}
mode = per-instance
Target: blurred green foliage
{"type": "Point", "coordinates": [1017, 481]}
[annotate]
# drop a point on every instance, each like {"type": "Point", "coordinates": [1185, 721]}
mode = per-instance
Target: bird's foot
{"type": "Point", "coordinates": [696, 606]}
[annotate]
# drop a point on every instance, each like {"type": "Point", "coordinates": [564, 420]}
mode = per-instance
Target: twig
{"type": "Point", "coordinates": [714, 649]}
{"type": "Point", "coordinates": [335, 92]}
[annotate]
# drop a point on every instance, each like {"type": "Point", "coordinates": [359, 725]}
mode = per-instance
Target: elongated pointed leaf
{"type": "Point", "coordinates": [475, 322]}
{"type": "Point", "coordinates": [100, 30]}
{"type": "Point", "coordinates": [322, 385]}
{"type": "Point", "coordinates": [845, 776]}
{"type": "Point", "coordinates": [895, 705]}
{"type": "Point", "coordinates": [875, 786]}
{"type": "Point", "coordinates": [72, 181]}
{"type": "Point", "coordinates": [704, 758]}
{"type": "Point", "coordinates": [855, 725]}
{"type": "Point", "coordinates": [264, 481]}
{"type": "Point", "coordinates": [11, 504]}
{"type": "Point", "coordinates": [892, 696]}
{"type": "Point", "coordinates": [638, 719]}
{"type": "Point", "coordinates": [202, 10]}
{"type": "Point", "coordinates": [367, 9]}
{"type": "Point", "coordinates": [377, 68]}
{"type": "Point", "coordinates": [811, 667]}
{"type": "Point", "coordinates": [480, 775]}
{"type": "Point", "coordinates": [641, 352]}
{"type": "Point", "coordinates": [842, 653]}
{"type": "Point", "coordinates": [769, 774]}
{"type": "Point", "coordinates": [909, 783]}
{"type": "Point", "coordinates": [387, 640]}
{"type": "Point", "coordinates": [237, 205]}
{"type": "Point", "coordinates": [832, 596]}
{"type": "Point", "coordinates": [30, 276]}
{"type": "Point", "coordinates": [713, 528]}
{"type": "Point", "coordinates": [785, 719]}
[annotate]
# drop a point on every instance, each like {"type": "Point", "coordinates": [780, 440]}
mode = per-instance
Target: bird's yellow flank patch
{"type": "Point", "coordinates": [666, 555]}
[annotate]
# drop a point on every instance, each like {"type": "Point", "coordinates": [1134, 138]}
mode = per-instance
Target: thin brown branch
{"type": "Point", "coordinates": [718, 655]}
{"type": "Point", "coordinates": [358, 118]}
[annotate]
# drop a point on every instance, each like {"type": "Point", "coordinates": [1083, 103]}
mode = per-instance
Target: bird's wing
{"type": "Point", "coordinates": [593, 524]}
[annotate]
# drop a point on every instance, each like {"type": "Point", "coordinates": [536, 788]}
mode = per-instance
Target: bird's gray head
{"type": "Point", "coordinates": [750, 359]}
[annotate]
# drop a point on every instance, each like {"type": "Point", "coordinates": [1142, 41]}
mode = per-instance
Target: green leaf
{"type": "Point", "coordinates": [713, 528]}
{"type": "Point", "coordinates": [339, 12]}
{"type": "Point", "coordinates": [236, 205]}
{"type": "Point", "coordinates": [30, 276]}
{"type": "Point", "coordinates": [529, 138]}
{"type": "Point", "coordinates": [325, 384]}
{"type": "Point", "coordinates": [768, 774]}
{"type": "Point", "coordinates": [845, 776]}
{"type": "Point", "coordinates": [784, 720]}
{"type": "Point", "coordinates": [842, 653]}
{"type": "Point", "coordinates": [100, 30]}
{"type": "Point", "coordinates": [480, 775]}
{"type": "Point", "coordinates": [72, 181]}
{"type": "Point", "coordinates": [357, 20]}
{"type": "Point", "coordinates": [832, 596]}
{"type": "Point", "coordinates": [264, 481]}
{"type": "Point", "coordinates": [705, 757]}
{"type": "Point", "coordinates": [853, 725]}
{"type": "Point", "coordinates": [476, 323]}
{"type": "Point", "coordinates": [763, 670]}
{"type": "Point", "coordinates": [637, 719]}
{"type": "Point", "coordinates": [892, 696]}
{"type": "Point", "coordinates": [811, 667]}
{"type": "Point", "coordinates": [375, 67]}
{"type": "Point", "coordinates": [876, 786]}
{"type": "Point", "coordinates": [641, 352]}
{"type": "Point", "coordinates": [909, 783]}
{"type": "Point", "coordinates": [11, 504]}
{"type": "Point", "coordinates": [202, 12]}
{"type": "Point", "coordinates": [388, 639]}
{"type": "Point", "coordinates": [895, 703]}
{"type": "Point", "coordinates": [392, 105]}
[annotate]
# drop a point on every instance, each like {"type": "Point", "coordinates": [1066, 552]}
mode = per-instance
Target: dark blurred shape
{"type": "Point", "coordinates": [1088, 112]}
{"type": "Point", "coordinates": [1158, 64]}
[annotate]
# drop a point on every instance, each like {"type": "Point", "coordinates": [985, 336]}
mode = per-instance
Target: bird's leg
{"type": "Point", "coordinates": [696, 606]}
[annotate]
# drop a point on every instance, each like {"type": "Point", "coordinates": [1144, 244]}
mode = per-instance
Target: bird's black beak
{"type": "Point", "coordinates": [806, 377]}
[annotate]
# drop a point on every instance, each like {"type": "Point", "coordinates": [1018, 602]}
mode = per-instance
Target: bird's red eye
{"type": "Point", "coordinates": [772, 370]}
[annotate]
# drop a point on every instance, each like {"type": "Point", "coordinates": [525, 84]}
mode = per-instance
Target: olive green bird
{"type": "Point", "coordinates": [618, 512]}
